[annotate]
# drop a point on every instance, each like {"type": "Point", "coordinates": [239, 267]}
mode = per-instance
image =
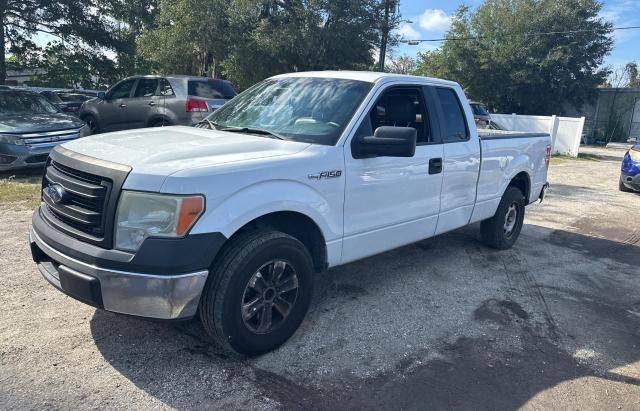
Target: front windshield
{"type": "Point", "coordinates": [21, 102]}
{"type": "Point", "coordinates": [313, 110]}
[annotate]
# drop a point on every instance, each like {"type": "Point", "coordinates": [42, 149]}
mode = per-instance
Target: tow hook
{"type": "Point", "coordinates": [543, 193]}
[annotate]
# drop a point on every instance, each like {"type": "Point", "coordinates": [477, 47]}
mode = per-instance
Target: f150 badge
{"type": "Point", "coordinates": [323, 175]}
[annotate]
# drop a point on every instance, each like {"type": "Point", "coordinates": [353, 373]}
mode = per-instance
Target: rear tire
{"type": "Point", "coordinates": [502, 230]}
{"type": "Point", "coordinates": [160, 123]}
{"type": "Point", "coordinates": [258, 292]}
{"type": "Point", "coordinates": [624, 188]}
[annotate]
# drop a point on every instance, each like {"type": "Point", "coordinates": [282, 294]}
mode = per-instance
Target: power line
{"type": "Point", "coordinates": [548, 33]}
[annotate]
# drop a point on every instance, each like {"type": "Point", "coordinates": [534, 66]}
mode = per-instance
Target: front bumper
{"type": "Point", "coordinates": [632, 182]}
{"type": "Point", "coordinates": [167, 297]}
{"type": "Point", "coordinates": [13, 157]}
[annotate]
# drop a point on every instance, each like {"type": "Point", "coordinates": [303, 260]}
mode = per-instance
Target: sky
{"type": "Point", "coordinates": [431, 19]}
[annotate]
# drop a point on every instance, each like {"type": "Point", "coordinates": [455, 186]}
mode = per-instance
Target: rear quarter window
{"type": "Point", "coordinates": [211, 89]}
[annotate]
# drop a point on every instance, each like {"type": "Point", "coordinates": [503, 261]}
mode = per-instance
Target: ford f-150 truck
{"type": "Point", "coordinates": [229, 220]}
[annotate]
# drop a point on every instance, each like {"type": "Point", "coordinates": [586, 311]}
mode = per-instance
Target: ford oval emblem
{"type": "Point", "coordinates": [55, 192]}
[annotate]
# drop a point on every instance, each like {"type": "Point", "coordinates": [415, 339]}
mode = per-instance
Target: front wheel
{"type": "Point", "coordinates": [258, 292]}
{"type": "Point", "coordinates": [92, 123]}
{"type": "Point", "coordinates": [502, 230]}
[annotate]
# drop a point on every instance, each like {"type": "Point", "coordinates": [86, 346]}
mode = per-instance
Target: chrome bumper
{"type": "Point", "coordinates": [166, 297]}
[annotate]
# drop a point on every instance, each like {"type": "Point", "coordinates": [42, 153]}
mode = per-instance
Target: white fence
{"type": "Point", "coordinates": [566, 132]}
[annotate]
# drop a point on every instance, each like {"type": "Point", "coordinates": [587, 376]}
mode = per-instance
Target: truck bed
{"type": "Point", "coordinates": [486, 134]}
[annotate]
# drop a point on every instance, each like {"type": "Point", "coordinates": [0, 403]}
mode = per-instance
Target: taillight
{"type": "Point", "coordinates": [195, 105]}
{"type": "Point", "coordinates": [547, 155]}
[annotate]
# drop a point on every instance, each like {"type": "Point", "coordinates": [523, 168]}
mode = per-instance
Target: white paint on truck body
{"type": "Point", "coordinates": [376, 204]}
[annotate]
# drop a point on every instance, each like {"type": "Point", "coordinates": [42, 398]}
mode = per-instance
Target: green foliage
{"type": "Point", "coordinates": [248, 40]}
{"type": "Point", "coordinates": [505, 64]}
{"type": "Point", "coordinates": [75, 22]}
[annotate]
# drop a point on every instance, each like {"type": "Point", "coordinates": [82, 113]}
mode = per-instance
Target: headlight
{"type": "Point", "coordinates": [11, 139]}
{"type": "Point", "coordinates": [141, 215]}
{"type": "Point", "coordinates": [635, 155]}
{"type": "Point", "coordinates": [84, 131]}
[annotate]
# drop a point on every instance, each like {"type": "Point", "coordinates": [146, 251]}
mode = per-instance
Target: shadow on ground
{"type": "Point", "coordinates": [514, 357]}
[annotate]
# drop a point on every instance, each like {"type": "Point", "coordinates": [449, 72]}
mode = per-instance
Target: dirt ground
{"type": "Point", "coordinates": [446, 323]}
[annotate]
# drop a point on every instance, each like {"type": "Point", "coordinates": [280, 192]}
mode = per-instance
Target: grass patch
{"type": "Point", "coordinates": [23, 191]}
{"type": "Point", "coordinates": [581, 156]}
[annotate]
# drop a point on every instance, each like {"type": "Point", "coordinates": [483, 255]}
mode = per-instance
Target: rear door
{"type": "Point", "coordinates": [461, 160]}
{"type": "Point", "coordinates": [142, 106]}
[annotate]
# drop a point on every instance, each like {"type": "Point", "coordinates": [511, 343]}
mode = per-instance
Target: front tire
{"type": "Point", "coordinates": [258, 292]}
{"type": "Point", "coordinates": [502, 230]}
{"type": "Point", "coordinates": [92, 123]}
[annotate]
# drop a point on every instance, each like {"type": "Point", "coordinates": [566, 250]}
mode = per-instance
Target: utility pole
{"type": "Point", "coordinates": [388, 4]}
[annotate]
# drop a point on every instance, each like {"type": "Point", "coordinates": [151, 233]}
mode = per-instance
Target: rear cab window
{"type": "Point", "coordinates": [454, 121]}
{"type": "Point", "coordinates": [211, 89]}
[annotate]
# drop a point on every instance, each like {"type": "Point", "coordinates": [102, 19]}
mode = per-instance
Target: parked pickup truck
{"type": "Point", "coordinates": [302, 172]}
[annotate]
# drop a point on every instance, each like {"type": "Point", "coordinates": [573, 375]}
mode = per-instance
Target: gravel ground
{"type": "Point", "coordinates": [445, 323]}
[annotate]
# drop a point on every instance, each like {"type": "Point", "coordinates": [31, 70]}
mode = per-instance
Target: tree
{"type": "Point", "coordinates": [74, 22]}
{"type": "Point", "coordinates": [498, 54]}
{"type": "Point", "coordinates": [401, 65]}
{"type": "Point", "coordinates": [633, 77]}
{"type": "Point", "coordinates": [248, 40]}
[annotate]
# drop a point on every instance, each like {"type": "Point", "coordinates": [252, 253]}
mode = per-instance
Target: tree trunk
{"type": "Point", "coordinates": [3, 65]}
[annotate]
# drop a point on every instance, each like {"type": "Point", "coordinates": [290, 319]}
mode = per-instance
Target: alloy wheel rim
{"type": "Point", "coordinates": [269, 296]}
{"type": "Point", "coordinates": [510, 219]}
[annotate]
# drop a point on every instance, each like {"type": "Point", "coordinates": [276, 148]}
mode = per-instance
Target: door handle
{"type": "Point", "coordinates": [123, 105]}
{"type": "Point", "coordinates": [151, 103]}
{"type": "Point", "coordinates": [435, 166]}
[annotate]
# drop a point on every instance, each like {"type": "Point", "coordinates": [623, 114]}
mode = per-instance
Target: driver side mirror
{"type": "Point", "coordinates": [102, 95]}
{"type": "Point", "coordinates": [387, 142]}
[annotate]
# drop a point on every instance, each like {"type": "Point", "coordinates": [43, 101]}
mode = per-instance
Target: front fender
{"type": "Point", "coordinates": [231, 213]}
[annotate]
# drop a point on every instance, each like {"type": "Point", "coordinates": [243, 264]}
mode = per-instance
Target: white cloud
{"type": "Point", "coordinates": [434, 20]}
{"type": "Point", "coordinates": [407, 32]}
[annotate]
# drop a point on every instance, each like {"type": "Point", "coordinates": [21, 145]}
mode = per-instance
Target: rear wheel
{"type": "Point", "coordinates": [160, 123]}
{"type": "Point", "coordinates": [502, 230]}
{"type": "Point", "coordinates": [258, 292]}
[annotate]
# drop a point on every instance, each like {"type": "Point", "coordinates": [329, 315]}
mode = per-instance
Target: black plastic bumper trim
{"type": "Point", "coordinates": [169, 256]}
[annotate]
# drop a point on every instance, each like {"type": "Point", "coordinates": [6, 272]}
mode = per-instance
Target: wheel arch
{"type": "Point", "coordinates": [296, 224]}
{"type": "Point", "coordinates": [522, 181]}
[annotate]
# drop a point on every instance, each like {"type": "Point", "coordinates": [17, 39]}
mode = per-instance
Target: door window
{"type": "Point", "coordinates": [146, 87]}
{"type": "Point", "coordinates": [455, 124]}
{"type": "Point", "coordinates": [122, 90]}
{"type": "Point", "coordinates": [398, 107]}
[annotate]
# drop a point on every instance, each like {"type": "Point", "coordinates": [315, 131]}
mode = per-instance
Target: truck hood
{"type": "Point", "coordinates": [162, 151]}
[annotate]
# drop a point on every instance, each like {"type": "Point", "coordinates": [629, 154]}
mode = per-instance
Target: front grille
{"type": "Point", "coordinates": [80, 201]}
{"type": "Point", "coordinates": [49, 138]}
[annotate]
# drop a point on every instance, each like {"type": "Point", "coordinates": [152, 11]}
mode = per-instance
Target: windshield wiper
{"type": "Point", "coordinates": [211, 124]}
{"type": "Point", "coordinates": [250, 130]}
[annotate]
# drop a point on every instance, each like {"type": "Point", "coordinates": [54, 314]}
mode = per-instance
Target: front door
{"type": "Point", "coordinates": [113, 109]}
{"type": "Point", "coordinates": [392, 201]}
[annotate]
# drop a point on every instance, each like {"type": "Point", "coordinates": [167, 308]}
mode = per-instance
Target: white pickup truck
{"type": "Point", "coordinates": [301, 172]}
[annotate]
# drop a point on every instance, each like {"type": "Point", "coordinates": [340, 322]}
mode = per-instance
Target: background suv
{"type": "Point", "coordinates": [148, 101]}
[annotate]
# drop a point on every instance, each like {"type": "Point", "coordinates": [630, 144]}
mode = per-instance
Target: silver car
{"type": "Point", "coordinates": [150, 101]}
